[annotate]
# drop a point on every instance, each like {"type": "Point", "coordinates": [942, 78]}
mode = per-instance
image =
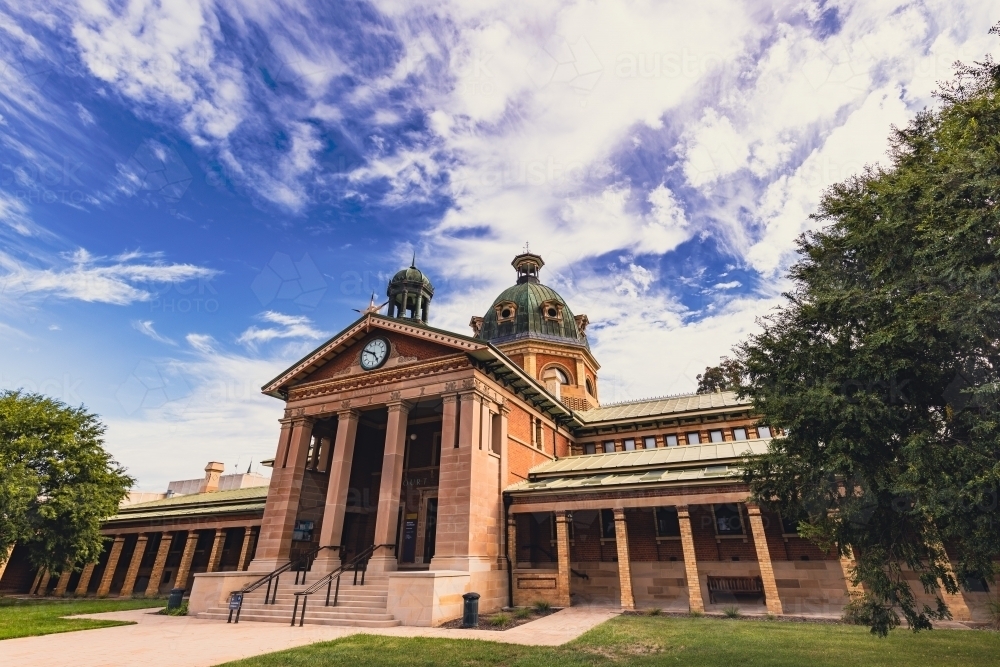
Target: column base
{"type": "Point", "coordinates": [327, 561]}
{"type": "Point", "coordinates": [259, 565]}
{"type": "Point", "coordinates": [379, 564]}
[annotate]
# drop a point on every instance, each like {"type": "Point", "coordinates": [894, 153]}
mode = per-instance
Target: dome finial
{"type": "Point", "coordinates": [413, 262]}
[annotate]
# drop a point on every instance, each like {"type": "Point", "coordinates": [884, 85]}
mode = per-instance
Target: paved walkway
{"type": "Point", "coordinates": [181, 641]}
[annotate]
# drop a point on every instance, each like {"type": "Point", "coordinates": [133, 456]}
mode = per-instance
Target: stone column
{"type": "Point", "coordinates": [3, 565]}
{"type": "Point", "coordinates": [184, 570]}
{"type": "Point", "coordinates": [41, 582]}
{"type": "Point", "coordinates": [454, 548]}
{"type": "Point", "coordinates": [624, 561]}
{"type": "Point", "coordinates": [133, 566]}
{"type": "Point", "coordinates": [695, 601]}
{"type": "Point", "coordinates": [332, 528]}
{"type": "Point", "coordinates": [562, 557]}
{"type": "Point", "coordinates": [512, 539]}
{"type": "Point", "coordinates": [63, 583]}
{"type": "Point", "coordinates": [215, 556]}
{"type": "Point", "coordinates": [390, 487]}
{"type": "Point", "coordinates": [245, 550]}
{"type": "Point", "coordinates": [109, 570]}
{"type": "Point", "coordinates": [153, 589]}
{"type": "Point", "coordinates": [764, 561]}
{"type": "Point", "coordinates": [85, 574]}
{"type": "Point", "coordinates": [282, 505]}
{"type": "Point", "coordinates": [847, 565]}
{"type": "Point", "coordinates": [956, 602]}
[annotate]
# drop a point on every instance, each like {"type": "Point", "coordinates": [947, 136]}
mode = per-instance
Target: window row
{"type": "Point", "coordinates": [675, 439]}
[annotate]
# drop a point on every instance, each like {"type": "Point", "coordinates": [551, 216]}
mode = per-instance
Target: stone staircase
{"type": "Point", "coordinates": [357, 606]}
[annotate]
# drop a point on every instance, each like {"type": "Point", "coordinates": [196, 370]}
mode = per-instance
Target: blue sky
{"type": "Point", "coordinates": [195, 193]}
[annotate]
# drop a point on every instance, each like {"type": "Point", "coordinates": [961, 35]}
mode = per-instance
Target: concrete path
{"type": "Point", "coordinates": [181, 641]}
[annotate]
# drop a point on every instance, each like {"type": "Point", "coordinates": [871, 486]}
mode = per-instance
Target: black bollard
{"type": "Point", "coordinates": [470, 615]}
{"type": "Point", "coordinates": [176, 595]}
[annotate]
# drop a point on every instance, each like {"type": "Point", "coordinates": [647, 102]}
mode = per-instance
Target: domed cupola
{"type": "Point", "coordinates": [529, 309]}
{"type": "Point", "coordinates": [410, 293]}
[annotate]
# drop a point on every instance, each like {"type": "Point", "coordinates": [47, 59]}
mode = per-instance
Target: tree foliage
{"type": "Point", "coordinates": [724, 377]}
{"type": "Point", "coordinates": [57, 482]}
{"type": "Point", "coordinates": [884, 364]}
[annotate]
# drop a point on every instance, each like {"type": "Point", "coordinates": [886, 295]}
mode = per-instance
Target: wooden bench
{"type": "Point", "coordinates": [732, 589]}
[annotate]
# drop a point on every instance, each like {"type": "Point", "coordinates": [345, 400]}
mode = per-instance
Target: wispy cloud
{"type": "Point", "coordinates": [84, 277]}
{"type": "Point", "coordinates": [145, 327]}
{"type": "Point", "coordinates": [291, 327]}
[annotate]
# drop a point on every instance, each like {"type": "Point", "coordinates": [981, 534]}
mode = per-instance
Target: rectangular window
{"type": "Point", "coordinates": [609, 446]}
{"type": "Point", "coordinates": [693, 438]}
{"type": "Point", "coordinates": [739, 434]}
{"type": "Point", "coordinates": [539, 437]}
{"type": "Point", "coordinates": [764, 432]}
{"type": "Point", "coordinates": [727, 519]}
{"type": "Point", "coordinates": [716, 436]}
{"type": "Point", "coordinates": [670, 440]}
{"type": "Point", "coordinates": [667, 523]}
{"type": "Point", "coordinates": [590, 448]}
{"type": "Point", "coordinates": [495, 443]}
{"type": "Point", "coordinates": [629, 444]}
{"type": "Point", "coordinates": [649, 442]}
{"type": "Point", "coordinates": [608, 524]}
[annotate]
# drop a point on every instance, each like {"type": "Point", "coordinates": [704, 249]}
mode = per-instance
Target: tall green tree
{"type": "Point", "coordinates": [57, 482]}
{"type": "Point", "coordinates": [884, 364]}
{"type": "Point", "coordinates": [724, 377]}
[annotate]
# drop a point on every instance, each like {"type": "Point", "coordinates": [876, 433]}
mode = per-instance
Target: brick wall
{"type": "Point", "coordinates": [567, 364]}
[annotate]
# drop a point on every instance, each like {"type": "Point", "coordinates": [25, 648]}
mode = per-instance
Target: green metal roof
{"type": "Point", "coordinates": [656, 407]}
{"type": "Point", "coordinates": [529, 321]}
{"type": "Point", "coordinates": [196, 504]}
{"type": "Point", "coordinates": [686, 463]}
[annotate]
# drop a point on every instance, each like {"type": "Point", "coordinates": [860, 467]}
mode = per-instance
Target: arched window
{"type": "Point", "coordinates": [555, 373]}
{"type": "Point", "coordinates": [590, 388]}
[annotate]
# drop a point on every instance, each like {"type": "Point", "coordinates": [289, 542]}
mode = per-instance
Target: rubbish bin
{"type": "Point", "coordinates": [176, 595]}
{"type": "Point", "coordinates": [470, 615]}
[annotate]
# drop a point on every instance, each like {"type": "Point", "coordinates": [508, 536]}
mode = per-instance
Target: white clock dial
{"type": "Point", "coordinates": [374, 353]}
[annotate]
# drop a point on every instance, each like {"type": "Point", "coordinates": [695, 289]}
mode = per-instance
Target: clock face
{"type": "Point", "coordinates": [374, 353]}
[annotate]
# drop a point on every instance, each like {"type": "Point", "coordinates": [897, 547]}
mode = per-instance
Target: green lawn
{"type": "Point", "coordinates": [27, 618]}
{"type": "Point", "coordinates": [634, 640]}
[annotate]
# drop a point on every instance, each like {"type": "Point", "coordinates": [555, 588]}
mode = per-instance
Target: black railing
{"type": "Point", "coordinates": [357, 564]}
{"type": "Point", "coordinates": [300, 565]}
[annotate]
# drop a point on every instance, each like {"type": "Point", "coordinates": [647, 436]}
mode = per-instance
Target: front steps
{"type": "Point", "coordinates": [357, 606]}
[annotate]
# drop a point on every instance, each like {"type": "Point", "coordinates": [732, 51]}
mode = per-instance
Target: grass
{"type": "Point", "coordinates": [522, 613]}
{"type": "Point", "coordinates": [500, 620]}
{"type": "Point", "coordinates": [659, 640]}
{"type": "Point", "coordinates": [731, 612]}
{"type": "Point", "coordinates": [178, 611]}
{"type": "Point", "coordinates": [28, 618]}
{"type": "Point", "coordinates": [542, 606]}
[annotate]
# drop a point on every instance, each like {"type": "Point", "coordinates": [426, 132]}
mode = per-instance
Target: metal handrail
{"type": "Point", "coordinates": [299, 565]}
{"type": "Point", "coordinates": [358, 563]}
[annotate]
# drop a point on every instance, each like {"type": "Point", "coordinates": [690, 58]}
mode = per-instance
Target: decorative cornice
{"type": "Point", "coordinates": [327, 387]}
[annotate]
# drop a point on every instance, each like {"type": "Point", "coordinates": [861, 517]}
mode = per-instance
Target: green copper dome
{"type": "Point", "coordinates": [413, 276]}
{"type": "Point", "coordinates": [529, 309]}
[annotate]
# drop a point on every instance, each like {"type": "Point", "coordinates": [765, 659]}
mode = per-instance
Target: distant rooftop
{"type": "Point", "coordinates": [667, 405]}
{"type": "Point", "coordinates": [211, 502]}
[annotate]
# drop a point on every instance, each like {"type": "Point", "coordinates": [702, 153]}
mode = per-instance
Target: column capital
{"type": "Point", "coordinates": [449, 398]}
{"type": "Point", "coordinates": [348, 413]}
{"type": "Point", "coordinates": [399, 406]}
{"type": "Point", "coordinates": [753, 510]}
{"type": "Point", "coordinates": [682, 510]}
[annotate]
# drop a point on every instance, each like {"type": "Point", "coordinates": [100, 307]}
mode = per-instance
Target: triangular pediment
{"type": "Point", "coordinates": [409, 342]}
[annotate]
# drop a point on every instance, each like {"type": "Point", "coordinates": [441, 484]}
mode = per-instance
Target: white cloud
{"type": "Point", "coordinates": [145, 327]}
{"type": "Point", "coordinates": [292, 327]}
{"type": "Point", "coordinates": [84, 277]}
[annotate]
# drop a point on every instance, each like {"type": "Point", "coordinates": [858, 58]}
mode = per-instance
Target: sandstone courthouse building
{"type": "Point", "coordinates": [486, 463]}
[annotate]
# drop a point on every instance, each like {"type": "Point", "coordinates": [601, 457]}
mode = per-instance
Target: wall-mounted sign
{"type": "Point", "coordinates": [303, 531]}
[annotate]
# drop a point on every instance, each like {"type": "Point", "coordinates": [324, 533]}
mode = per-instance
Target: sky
{"type": "Point", "coordinates": [196, 193]}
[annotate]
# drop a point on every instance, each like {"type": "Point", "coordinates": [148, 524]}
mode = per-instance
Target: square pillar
{"type": "Point", "coordinates": [109, 570]}
{"type": "Point", "coordinates": [282, 505]}
{"type": "Point", "coordinates": [847, 565]}
{"type": "Point", "coordinates": [63, 581]}
{"type": "Point", "coordinates": [956, 602]}
{"type": "Point", "coordinates": [153, 589]}
{"type": "Point", "coordinates": [184, 570]}
{"type": "Point", "coordinates": [390, 487]}
{"type": "Point", "coordinates": [624, 562]}
{"type": "Point", "coordinates": [41, 582]}
{"type": "Point", "coordinates": [562, 557]}
{"type": "Point", "coordinates": [695, 601]}
{"type": "Point", "coordinates": [764, 561]}
{"type": "Point", "coordinates": [215, 556]}
{"type": "Point", "coordinates": [3, 565]}
{"type": "Point", "coordinates": [460, 460]}
{"type": "Point", "coordinates": [85, 574]}
{"type": "Point", "coordinates": [245, 549]}
{"type": "Point", "coordinates": [332, 528]}
{"type": "Point", "coordinates": [133, 566]}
